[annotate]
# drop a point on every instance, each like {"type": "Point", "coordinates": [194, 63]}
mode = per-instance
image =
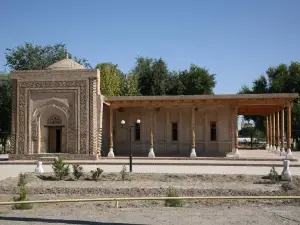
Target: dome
{"type": "Point", "coordinates": [66, 64]}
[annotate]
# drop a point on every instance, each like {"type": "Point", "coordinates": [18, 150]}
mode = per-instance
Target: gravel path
{"type": "Point", "coordinates": [90, 215]}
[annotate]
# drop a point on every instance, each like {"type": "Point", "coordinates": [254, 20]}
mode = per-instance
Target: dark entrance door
{"type": "Point", "coordinates": [54, 139]}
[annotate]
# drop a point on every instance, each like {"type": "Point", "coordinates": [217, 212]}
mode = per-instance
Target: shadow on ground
{"type": "Point", "coordinates": [56, 221]}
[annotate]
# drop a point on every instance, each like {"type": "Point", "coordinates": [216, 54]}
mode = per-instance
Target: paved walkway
{"type": "Point", "coordinates": [14, 170]}
{"type": "Point", "coordinates": [164, 165]}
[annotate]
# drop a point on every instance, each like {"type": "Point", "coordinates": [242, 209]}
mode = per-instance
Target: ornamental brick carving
{"type": "Point", "coordinates": [92, 116]}
{"type": "Point", "coordinates": [54, 119]}
{"type": "Point", "coordinates": [14, 116]}
{"type": "Point", "coordinates": [25, 87]}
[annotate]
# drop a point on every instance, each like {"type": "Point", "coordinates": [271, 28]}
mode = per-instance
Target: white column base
{"type": "Point", "coordinates": [151, 153]}
{"type": "Point", "coordinates": [274, 148]}
{"type": "Point", "coordinates": [39, 167]}
{"type": "Point", "coordinates": [111, 153]}
{"type": "Point", "coordinates": [283, 152]}
{"type": "Point", "coordinates": [267, 147]}
{"type": "Point", "coordinates": [270, 148]}
{"type": "Point", "coordinates": [193, 153]}
{"type": "Point", "coordinates": [289, 154]}
{"type": "Point", "coordinates": [286, 173]}
{"type": "Point", "coordinates": [277, 150]}
{"type": "Point", "coordinates": [236, 153]}
{"type": "Point", "coordinates": [97, 156]}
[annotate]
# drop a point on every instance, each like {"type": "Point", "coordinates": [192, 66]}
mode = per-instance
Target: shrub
{"type": "Point", "coordinates": [77, 171]}
{"type": "Point", "coordinates": [124, 174]}
{"type": "Point", "coordinates": [22, 194]}
{"type": "Point", "coordinates": [273, 175]}
{"type": "Point", "coordinates": [96, 174]}
{"type": "Point", "coordinates": [60, 169]}
{"type": "Point", "coordinates": [241, 176]}
{"type": "Point", "coordinates": [171, 192]}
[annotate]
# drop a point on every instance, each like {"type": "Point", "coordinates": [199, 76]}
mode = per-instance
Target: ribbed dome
{"type": "Point", "coordinates": [66, 64]}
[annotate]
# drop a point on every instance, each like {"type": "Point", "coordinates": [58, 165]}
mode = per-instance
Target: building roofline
{"type": "Point", "coordinates": [53, 71]}
{"type": "Point", "coordinates": [290, 96]}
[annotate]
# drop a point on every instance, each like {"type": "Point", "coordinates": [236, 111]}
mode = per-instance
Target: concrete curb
{"type": "Point", "coordinates": [152, 164]}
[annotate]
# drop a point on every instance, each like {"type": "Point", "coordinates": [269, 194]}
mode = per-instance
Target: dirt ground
{"type": "Point", "coordinates": [89, 214]}
{"type": "Point", "coordinates": [152, 212]}
{"type": "Point", "coordinates": [111, 185]}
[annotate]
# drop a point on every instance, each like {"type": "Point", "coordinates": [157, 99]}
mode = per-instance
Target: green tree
{"type": "Point", "coordinates": [5, 107]}
{"type": "Point", "coordinates": [197, 81]}
{"type": "Point", "coordinates": [152, 76]}
{"type": "Point", "coordinates": [175, 85]}
{"type": "Point", "coordinates": [110, 83]}
{"type": "Point", "coordinates": [37, 57]}
{"type": "Point", "coordinates": [129, 85]}
{"type": "Point", "coordinates": [279, 79]}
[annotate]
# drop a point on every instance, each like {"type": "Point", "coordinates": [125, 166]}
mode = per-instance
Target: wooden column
{"type": "Point", "coordinates": [193, 129]}
{"type": "Point", "coordinates": [267, 132]}
{"type": "Point", "coordinates": [271, 132]}
{"type": "Point", "coordinates": [289, 127]}
{"type": "Point", "coordinates": [151, 138]}
{"type": "Point", "coordinates": [111, 144]}
{"type": "Point", "coordinates": [236, 133]}
{"type": "Point", "coordinates": [278, 130]}
{"type": "Point", "coordinates": [282, 130]}
{"type": "Point", "coordinates": [152, 128]}
{"type": "Point", "coordinates": [274, 130]}
{"type": "Point", "coordinates": [193, 151]}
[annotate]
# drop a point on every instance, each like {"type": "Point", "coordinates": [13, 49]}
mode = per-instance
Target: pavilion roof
{"type": "Point", "coordinates": [247, 104]}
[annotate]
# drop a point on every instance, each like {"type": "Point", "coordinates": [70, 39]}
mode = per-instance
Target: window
{"type": "Point", "coordinates": [174, 131]}
{"type": "Point", "coordinates": [213, 131]}
{"type": "Point", "coordinates": [137, 131]}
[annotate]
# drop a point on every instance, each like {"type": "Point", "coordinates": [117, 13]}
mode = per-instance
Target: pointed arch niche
{"type": "Point", "coordinates": [51, 128]}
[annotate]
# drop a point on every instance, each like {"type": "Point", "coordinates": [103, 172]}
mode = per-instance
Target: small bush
{"type": "Point", "coordinates": [273, 175]}
{"type": "Point", "coordinates": [241, 176]}
{"type": "Point", "coordinates": [77, 171]}
{"type": "Point", "coordinates": [96, 174]}
{"type": "Point", "coordinates": [124, 173]}
{"type": "Point", "coordinates": [22, 194]}
{"type": "Point", "coordinates": [60, 169]}
{"type": "Point", "coordinates": [171, 192]}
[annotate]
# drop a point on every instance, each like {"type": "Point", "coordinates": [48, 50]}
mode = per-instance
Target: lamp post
{"type": "Point", "coordinates": [138, 121]}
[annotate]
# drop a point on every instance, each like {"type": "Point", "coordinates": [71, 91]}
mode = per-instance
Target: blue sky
{"type": "Point", "coordinates": [235, 39]}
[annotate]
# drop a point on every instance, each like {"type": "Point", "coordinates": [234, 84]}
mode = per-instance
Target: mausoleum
{"type": "Point", "coordinates": [60, 110]}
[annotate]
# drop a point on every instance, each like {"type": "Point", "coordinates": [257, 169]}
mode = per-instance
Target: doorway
{"type": "Point", "coordinates": [54, 139]}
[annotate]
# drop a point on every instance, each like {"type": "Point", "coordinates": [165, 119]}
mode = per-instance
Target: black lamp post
{"type": "Point", "coordinates": [130, 150]}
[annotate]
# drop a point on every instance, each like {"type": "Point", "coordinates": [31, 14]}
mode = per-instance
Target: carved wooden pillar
{"type": "Point", "coordinates": [282, 133]}
{"type": "Point", "coordinates": [111, 144]}
{"type": "Point", "coordinates": [271, 132]}
{"type": "Point", "coordinates": [274, 131]}
{"type": "Point", "coordinates": [278, 131]}
{"type": "Point", "coordinates": [289, 132]}
{"type": "Point", "coordinates": [267, 133]}
{"type": "Point", "coordinates": [236, 132]}
{"type": "Point", "coordinates": [193, 151]}
{"type": "Point", "coordinates": [152, 127]}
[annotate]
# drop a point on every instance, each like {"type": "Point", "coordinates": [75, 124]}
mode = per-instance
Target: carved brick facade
{"type": "Point", "coordinates": [40, 95]}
